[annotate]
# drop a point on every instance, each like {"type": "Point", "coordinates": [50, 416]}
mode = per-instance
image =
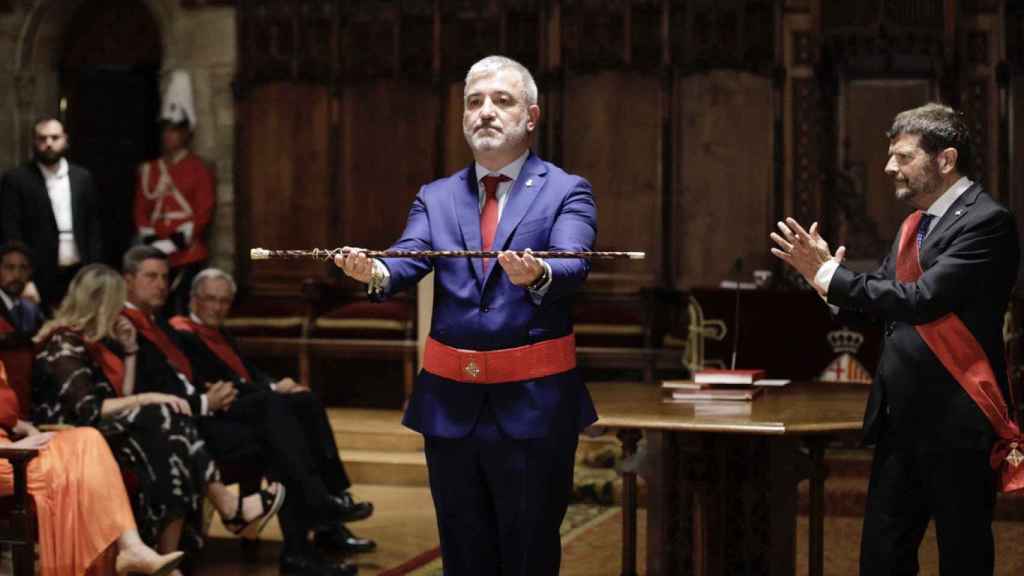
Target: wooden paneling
{"type": "Point", "coordinates": [723, 209]}
{"type": "Point", "coordinates": [457, 154]}
{"type": "Point", "coordinates": [613, 138]}
{"type": "Point", "coordinates": [388, 151]}
{"type": "Point", "coordinates": [866, 213]}
{"type": "Point", "coordinates": [285, 192]}
{"type": "Point", "coordinates": [669, 107]}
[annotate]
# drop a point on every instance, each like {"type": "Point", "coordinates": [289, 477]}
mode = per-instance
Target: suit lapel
{"type": "Point", "coordinates": [956, 210]}
{"type": "Point", "coordinates": [44, 194]}
{"type": "Point", "coordinates": [76, 202]}
{"type": "Point", "coordinates": [466, 200]}
{"type": "Point", "coordinates": [521, 198]}
{"type": "Point", "coordinates": [7, 315]}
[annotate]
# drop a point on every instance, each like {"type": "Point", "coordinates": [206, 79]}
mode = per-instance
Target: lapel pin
{"type": "Point", "coordinates": [529, 182]}
{"type": "Point", "coordinates": [958, 212]}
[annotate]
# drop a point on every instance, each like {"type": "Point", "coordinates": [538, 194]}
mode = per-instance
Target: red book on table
{"type": "Point", "coordinates": [728, 376]}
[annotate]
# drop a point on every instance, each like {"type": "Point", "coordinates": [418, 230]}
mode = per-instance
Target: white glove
{"type": "Point", "coordinates": [165, 246]}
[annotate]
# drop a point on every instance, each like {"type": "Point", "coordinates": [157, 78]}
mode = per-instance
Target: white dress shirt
{"type": "Point", "coordinates": [58, 186]}
{"type": "Point", "coordinates": [823, 278]}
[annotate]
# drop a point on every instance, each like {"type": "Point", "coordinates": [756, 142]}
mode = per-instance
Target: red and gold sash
{"type": "Point", "coordinates": [216, 342]}
{"type": "Point", "coordinates": [149, 330]}
{"type": "Point", "coordinates": [962, 355]}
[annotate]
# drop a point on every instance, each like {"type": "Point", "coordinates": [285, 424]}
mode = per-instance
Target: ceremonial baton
{"type": "Point", "coordinates": [329, 254]}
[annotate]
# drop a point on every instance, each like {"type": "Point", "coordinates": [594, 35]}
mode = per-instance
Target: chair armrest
{"type": "Point", "coordinates": [54, 427]}
{"type": "Point", "coordinates": [18, 455]}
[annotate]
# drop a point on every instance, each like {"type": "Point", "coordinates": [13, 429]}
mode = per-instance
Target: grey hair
{"type": "Point", "coordinates": [213, 274]}
{"type": "Point", "coordinates": [492, 64]}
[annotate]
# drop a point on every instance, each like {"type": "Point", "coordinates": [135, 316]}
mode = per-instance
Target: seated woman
{"type": "Point", "coordinates": [79, 511]}
{"type": "Point", "coordinates": [85, 375]}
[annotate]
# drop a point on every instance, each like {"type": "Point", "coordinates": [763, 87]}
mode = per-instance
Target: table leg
{"type": "Point", "coordinates": [816, 515]}
{"type": "Point", "coordinates": [629, 439]}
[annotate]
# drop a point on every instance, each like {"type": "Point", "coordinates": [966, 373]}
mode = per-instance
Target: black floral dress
{"type": "Point", "coordinates": [161, 455]}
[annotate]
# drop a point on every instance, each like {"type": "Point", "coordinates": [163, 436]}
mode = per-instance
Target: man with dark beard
{"type": "Point", "coordinates": [937, 412]}
{"type": "Point", "coordinates": [52, 206]}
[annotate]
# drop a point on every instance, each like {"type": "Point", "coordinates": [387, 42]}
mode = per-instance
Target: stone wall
{"type": "Point", "coordinates": [201, 41]}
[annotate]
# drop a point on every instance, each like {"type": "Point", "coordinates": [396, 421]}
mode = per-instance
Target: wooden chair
{"type": "Point", "coordinates": [17, 512]}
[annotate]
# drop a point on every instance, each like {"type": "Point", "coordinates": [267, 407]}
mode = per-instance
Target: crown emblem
{"type": "Point", "coordinates": [845, 340]}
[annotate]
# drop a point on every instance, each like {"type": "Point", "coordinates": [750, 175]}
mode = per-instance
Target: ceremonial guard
{"type": "Point", "coordinates": [174, 198]}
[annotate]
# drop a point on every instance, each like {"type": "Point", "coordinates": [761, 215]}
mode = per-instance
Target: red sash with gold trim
{"type": "Point", "coordinates": [962, 355]}
{"type": "Point", "coordinates": [216, 342]}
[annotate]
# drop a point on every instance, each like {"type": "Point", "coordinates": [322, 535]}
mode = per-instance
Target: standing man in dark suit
{"type": "Point", "coordinates": [937, 409]}
{"type": "Point", "coordinates": [52, 206]}
{"type": "Point", "coordinates": [499, 400]}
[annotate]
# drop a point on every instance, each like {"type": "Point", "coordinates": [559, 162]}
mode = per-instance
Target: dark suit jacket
{"type": "Point", "coordinates": [208, 367]}
{"type": "Point", "coordinates": [21, 336]}
{"type": "Point", "coordinates": [153, 373]}
{"type": "Point", "coordinates": [27, 215]}
{"type": "Point", "coordinates": [970, 261]}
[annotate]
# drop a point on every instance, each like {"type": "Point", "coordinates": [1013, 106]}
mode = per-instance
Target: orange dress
{"type": "Point", "coordinates": [81, 503]}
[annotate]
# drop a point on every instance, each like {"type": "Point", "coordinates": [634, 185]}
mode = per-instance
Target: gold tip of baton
{"type": "Point", "coordinates": [259, 254]}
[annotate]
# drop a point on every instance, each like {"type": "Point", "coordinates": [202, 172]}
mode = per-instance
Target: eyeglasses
{"type": "Point", "coordinates": [227, 300]}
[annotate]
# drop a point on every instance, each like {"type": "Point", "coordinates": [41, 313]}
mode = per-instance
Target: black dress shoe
{"type": "Point", "coordinates": [341, 540]}
{"type": "Point", "coordinates": [314, 565]}
{"type": "Point", "coordinates": [344, 508]}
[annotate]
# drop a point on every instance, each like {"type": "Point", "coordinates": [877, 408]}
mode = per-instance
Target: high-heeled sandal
{"type": "Point", "coordinates": [271, 502]}
{"type": "Point", "coordinates": [160, 565]}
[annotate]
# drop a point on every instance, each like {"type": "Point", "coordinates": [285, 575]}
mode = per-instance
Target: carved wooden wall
{"type": "Point", "coordinates": [698, 122]}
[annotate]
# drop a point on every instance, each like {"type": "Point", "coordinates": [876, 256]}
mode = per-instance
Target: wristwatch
{"type": "Point", "coordinates": [542, 279]}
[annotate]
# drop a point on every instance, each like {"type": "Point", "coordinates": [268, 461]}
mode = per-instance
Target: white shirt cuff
{"type": "Point", "coordinates": [538, 293]}
{"type": "Point", "coordinates": [380, 278]}
{"type": "Point", "coordinates": [204, 405]}
{"type": "Point", "coordinates": [823, 277]}
{"type": "Point", "coordinates": [165, 246]}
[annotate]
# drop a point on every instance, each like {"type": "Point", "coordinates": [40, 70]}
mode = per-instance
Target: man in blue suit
{"type": "Point", "coordinates": [499, 400]}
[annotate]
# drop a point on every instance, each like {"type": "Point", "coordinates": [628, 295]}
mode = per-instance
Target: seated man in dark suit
{"type": "Point", "coordinates": [234, 420]}
{"type": "Point", "coordinates": [20, 319]}
{"type": "Point", "coordinates": [215, 356]}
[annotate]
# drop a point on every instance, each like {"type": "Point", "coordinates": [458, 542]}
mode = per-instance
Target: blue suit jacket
{"type": "Point", "coordinates": [548, 209]}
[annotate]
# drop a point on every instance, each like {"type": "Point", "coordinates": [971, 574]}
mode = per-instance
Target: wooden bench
{"type": "Point", "coordinates": [630, 330]}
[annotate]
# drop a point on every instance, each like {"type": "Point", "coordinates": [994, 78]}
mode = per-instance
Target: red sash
{"type": "Point", "coordinates": [18, 361]}
{"type": "Point", "coordinates": [216, 342]}
{"type": "Point", "coordinates": [111, 364]}
{"type": "Point", "coordinates": [498, 366]}
{"type": "Point", "coordinates": [150, 331]}
{"type": "Point", "coordinates": [962, 355]}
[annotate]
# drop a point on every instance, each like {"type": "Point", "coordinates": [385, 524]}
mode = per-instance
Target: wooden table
{"type": "Point", "coordinates": [722, 488]}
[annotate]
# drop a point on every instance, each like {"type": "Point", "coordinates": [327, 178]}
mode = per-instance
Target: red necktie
{"type": "Point", "coordinates": [489, 215]}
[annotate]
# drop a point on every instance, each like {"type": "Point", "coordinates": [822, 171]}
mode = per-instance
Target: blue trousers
{"type": "Point", "coordinates": [500, 501]}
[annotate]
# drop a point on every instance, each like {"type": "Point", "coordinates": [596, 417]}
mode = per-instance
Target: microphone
{"type": "Point", "coordinates": [737, 268]}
